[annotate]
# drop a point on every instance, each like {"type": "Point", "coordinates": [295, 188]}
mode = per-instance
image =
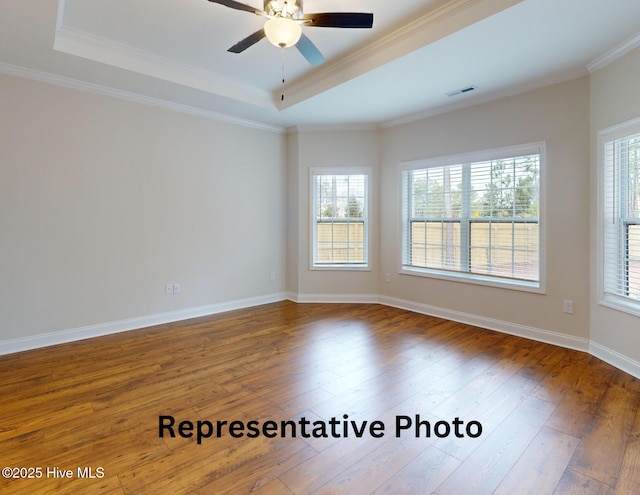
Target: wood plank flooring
{"type": "Point", "coordinates": [554, 421]}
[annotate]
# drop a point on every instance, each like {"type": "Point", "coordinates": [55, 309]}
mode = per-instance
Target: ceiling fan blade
{"type": "Point", "coordinates": [309, 50]}
{"type": "Point", "coordinates": [247, 42]}
{"type": "Point", "coordinates": [239, 6]}
{"type": "Point", "coordinates": [339, 20]}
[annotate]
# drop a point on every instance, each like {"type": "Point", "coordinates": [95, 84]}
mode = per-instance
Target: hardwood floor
{"type": "Point", "coordinates": [553, 421]}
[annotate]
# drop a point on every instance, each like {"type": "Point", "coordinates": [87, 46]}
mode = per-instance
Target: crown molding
{"type": "Point", "coordinates": [332, 128]}
{"type": "Point", "coordinates": [86, 45]}
{"type": "Point", "coordinates": [67, 82]}
{"type": "Point", "coordinates": [614, 54]}
{"type": "Point", "coordinates": [446, 19]}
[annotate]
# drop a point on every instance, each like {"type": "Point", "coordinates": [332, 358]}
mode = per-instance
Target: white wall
{"type": "Point", "coordinates": [337, 148]}
{"type": "Point", "coordinates": [103, 201]}
{"type": "Point", "coordinates": [614, 99]}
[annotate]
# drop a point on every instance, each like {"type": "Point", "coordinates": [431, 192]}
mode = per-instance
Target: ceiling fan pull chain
{"type": "Point", "coordinates": [282, 95]}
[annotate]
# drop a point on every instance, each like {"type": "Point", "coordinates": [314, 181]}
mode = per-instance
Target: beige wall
{"type": "Point", "coordinates": [294, 213]}
{"type": "Point", "coordinates": [558, 115]}
{"type": "Point", "coordinates": [103, 201]}
{"type": "Point", "coordinates": [346, 148]}
{"type": "Point", "coordinates": [566, 117]}
{"type": "Point", "coordinates": [614, 99]}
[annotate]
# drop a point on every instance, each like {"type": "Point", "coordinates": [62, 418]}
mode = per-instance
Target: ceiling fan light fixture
{"type": "Point", "coordinates": [282, 31]}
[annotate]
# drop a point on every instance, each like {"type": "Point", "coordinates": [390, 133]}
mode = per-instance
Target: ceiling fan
{"type": "Point", "coordinates": [285, 19]}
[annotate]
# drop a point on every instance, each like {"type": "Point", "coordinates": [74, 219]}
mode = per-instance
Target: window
{"type": "Point", "coordinates": [475, 217]}
{"type": "Point", "coordinates": [620, 217]}
{"type": "Point", "coordinates": [340, 218]}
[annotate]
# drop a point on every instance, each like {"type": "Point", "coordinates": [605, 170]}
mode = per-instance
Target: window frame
{"type": "Point", "coordinates": [337, 171]}
{"type": "Point", "coordinates": [607, 298]}
{"type": "Point", "coordinates": [507, 152]}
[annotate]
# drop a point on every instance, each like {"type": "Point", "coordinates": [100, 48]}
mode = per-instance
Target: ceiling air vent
{"type": "Point", "coordinates": [462, 91]}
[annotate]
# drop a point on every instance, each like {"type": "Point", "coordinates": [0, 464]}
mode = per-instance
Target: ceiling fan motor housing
{"type": "Point", "coordinates": [283, 8]}
{"type": "Point", "coordinates": [285, 19]}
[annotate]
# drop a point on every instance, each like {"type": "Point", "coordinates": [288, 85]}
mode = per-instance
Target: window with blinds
{"type": "Point", "coordinates": [474, 217]}
{"type": "Point", "coordinates": [340, 218]}
{"type": "Point", "coordinates": [620, 218]}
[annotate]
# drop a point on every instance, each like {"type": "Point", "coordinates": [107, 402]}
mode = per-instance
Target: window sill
{"type": "Point", "coordinates": [623, 304]}
{"type": "Point", "coordinates": [341, 268]}
{"type": "Point", "coordinates": [503, 283]}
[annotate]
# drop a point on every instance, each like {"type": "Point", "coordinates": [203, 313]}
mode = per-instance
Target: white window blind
{"type": "Point", "coordinates": [621, 219]}
{"type": "Point", "coordinates": [339, 219]}
{"type": "Point", "coordinates": [478, 219]}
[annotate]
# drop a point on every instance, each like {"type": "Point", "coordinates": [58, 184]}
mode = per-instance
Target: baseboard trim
{"type": "Point", "coordinates": [533, 333]}
{"type": "Point", "coordinates": [607, 355]}
{"type": "Point", "coordinates": [335, 298]}
{"type": "Point", "coordinates": [610, 356]}
{"type": "Point", "coordinates": [101, 329]}
{"type": "Point", "coordinates": [614, 358]}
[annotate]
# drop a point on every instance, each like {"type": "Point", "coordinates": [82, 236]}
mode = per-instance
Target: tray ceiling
{"type": "Point", "coordinates": [418, 51]}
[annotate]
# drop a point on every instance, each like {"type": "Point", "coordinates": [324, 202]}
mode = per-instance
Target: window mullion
{"type": "Point", "coordinates": [465, 220]}
{"type": "Point", "coordinates": [334, 202]}
{"type": "Point", "coordinates": [513, 219]}
{"type": "Point", "coordinates": [407, 217]}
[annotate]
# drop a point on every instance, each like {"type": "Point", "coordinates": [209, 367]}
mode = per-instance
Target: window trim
{"type": "Point", "coordinates": [613, 133]}
{"type": "Point", "coordinates": [539, 286]}
{"type": "Point", "coordinates": [316, 171]}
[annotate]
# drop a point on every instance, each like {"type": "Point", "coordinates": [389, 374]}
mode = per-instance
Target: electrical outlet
{"type": "Point", "coordinates": [387, 277]}
{"type": "Point", "coordinates": [176, 288]}
{"type": "Point", "coordinates": [273, 276]}
{"type": "Point", "coordinates": [168, 289]}
{"type": "Point", "coordinates": [567, 306]}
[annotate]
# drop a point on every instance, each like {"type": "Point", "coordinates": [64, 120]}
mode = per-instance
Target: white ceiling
{"type": "Point", "coordinates": [174, 53]}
